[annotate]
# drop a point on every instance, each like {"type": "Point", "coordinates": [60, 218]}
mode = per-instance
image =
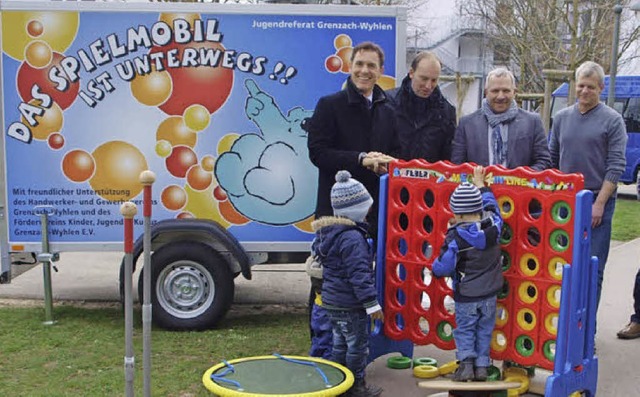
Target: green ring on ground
{"type": "Point", "coordinates": [276, 376]}
{"type": "Point", "coordinates": [399, 362]}
{"type": "Point", "coordinates": [493, 373]}
{"type": "Point", "coordinates": [557, 208]}
{"type": "Point", "coordinates": [425, 361]}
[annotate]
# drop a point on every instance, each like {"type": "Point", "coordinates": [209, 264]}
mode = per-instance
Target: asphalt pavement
{"type": "Point", "coordinates": [93, 276]}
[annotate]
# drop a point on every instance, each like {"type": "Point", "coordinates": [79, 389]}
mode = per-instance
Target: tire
{"type": "Point", "coordinates": [191, 286]}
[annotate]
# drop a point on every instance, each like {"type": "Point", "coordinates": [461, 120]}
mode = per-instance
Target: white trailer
{"type": "Point", "coordinates": [210, 97]}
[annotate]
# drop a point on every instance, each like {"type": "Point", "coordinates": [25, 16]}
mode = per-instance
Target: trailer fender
{"type": "Point", "coordinates": [208, 232]}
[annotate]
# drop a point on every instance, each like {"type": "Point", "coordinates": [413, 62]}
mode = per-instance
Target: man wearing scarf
{"type": "Point", "coordinates": [499, 132]}
{"type": "Point", "coordinates": [425, 120]}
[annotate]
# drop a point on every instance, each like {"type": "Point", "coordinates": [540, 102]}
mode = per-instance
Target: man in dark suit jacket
{"type": "Point", "coordinates": [426, 121]}
{"type": "Point", "coordinates": [354, 130]}
{"type": "Point", "coordinates": [499, 132]}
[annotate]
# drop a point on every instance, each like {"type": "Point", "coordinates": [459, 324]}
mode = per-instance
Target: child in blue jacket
{"type": "Point", "coordinates": [471, 257]}
{"type": "Point", "coordinates": [349, 295]}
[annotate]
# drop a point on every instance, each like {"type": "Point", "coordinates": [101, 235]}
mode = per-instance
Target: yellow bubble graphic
{"type": "Point", "coordinates": [163, 148]}
{"type": "Point", "coordinates": [152, 89]}
{"type": "Point", "coordinates": [59, 29]}
{"type": "Point", "coordinates": [225, 143]}
{"type": "Point", "coordinates": [169, 17]}
{"type": "Point", "coordinates": [386, 82]}
{"type": "Point", "coordinates": [176, 132]}
{"type": "Point", "coordinates": [196, 117]}
{"type": "Point", "coordinates": [118, 167]}
{"type": "Point", "coordinates": [202, 205]}
{"type": "Point", "coordinates": [38, 54]}
{"type": "Point", "coordinates": [208, 162]}
{"type": "Point", "coordinates": [50, 121]}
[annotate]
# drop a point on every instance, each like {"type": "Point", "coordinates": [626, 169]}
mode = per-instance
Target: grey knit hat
{"type": "Point", "coordinates": [349, 198]}
{"type": "Point", "coordinates": [466, 199]}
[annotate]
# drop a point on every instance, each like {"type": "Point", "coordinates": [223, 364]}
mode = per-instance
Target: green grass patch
{"type": "Point", "coordinates": [83, 353]}
{"type": "Point", "coordinates": [626, 220]}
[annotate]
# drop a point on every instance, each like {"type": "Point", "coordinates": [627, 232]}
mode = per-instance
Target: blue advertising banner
{"type": "Point", "coordinates": [212, 103]}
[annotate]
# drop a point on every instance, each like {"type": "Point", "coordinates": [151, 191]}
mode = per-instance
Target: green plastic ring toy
{"type": "Point", "coordinates": [521, 345]}
{"type": "Point", "coordinates": [493, 373]}
{"type": "Point", "coordinates": [556, 244]}
{"type": "Point", "coordinates": [442, 334]}
{"type": "Point", "coordinates": [561, 212]}
{"type": "Point", "coordinates": [399, 362]}
{"type": "Point", "coordinates": [547, 350]}
{"type": "Point", "coordinates": [425, 361]}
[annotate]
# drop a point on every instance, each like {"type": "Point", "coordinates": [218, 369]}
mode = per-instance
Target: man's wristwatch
{"type": "Point", "coordinates": [361, 157]}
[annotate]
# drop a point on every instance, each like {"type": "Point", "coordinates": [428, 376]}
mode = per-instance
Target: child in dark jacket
{"type": "Point", "coordinates": [348, 290]}
{"type": "Point", "coordinates": [471, 257]}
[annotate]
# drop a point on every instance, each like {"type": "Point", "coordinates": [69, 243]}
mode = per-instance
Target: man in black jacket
{"type": "Point", "coordinates": [426, 121]}
{"type": "Point", "coordinates": [354, 130]}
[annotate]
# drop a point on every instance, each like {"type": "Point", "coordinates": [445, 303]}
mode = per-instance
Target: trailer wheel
{"type": "Point", "coordinates": [191, 286]}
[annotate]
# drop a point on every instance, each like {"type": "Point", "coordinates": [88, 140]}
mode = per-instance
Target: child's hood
{"type": "Point", "coordinates": [474, 232]}
{"type": "Point", "coordinates": [327, 230]}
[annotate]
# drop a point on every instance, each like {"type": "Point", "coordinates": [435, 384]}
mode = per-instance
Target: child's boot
{"type": "Point", "coordinates": [361, 389]}
{"type": "Point", "coordinates": [481, 373]}
{"type": "Point", "coordinates": [464, 372]}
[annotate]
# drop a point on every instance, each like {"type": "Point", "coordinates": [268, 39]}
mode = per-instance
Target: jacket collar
{"type": "Point", "coordinates": [406, 92]}
{"type": "Point", "coordinates": [354, 96]}
{"type": "Point", "coordinates": [329, 221]}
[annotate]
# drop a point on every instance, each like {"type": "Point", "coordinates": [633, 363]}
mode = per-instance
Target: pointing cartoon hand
{"type": "Point", "coordinates": [262, 110]}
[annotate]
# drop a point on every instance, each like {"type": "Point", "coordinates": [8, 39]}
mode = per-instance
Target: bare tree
{"type": "Point", "coordinates": [531, 35]}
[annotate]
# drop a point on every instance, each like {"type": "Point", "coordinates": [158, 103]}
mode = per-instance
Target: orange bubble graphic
{"type": "Point", "coordinates": [196, 117]}
{"type": "Point", "coordinates": [50, 121]}
{"type": "Point", "coordinates": [118, 168]}
{"type": "Point", "coordinates": [208, 162]}
{"type": "Point", "coordinates": [176, 132]}
{"type": "Point", "coordinates": [345, 54]}
{"type": "Point", "coordinates": [342, 40]}
{"type": "Point", "coordinates": [333, 63]}
{"type": "Point", "coordinates": [185, 215]}
{"type": "Point", "coordinates": [180, 160]}
{"type": "Point", "coordinates": [28, 76]}
{"type": "Point", "coordinates": [173, 197]}
{"type": "Point", "coordinates": [35, 28]}
{"type": "Point", "coordinates": [78, 165]}
{"type": "Point", "coordinates": [230, 214]}
{"type": "Point", "coordinates": [38, 54]}
{"type": "Point", "coordinates": [305, 225]}
{"type": "Point", "coordinates": [198, 178]}
{"type": "Point", "coordinates": [225, 143]}
{"type": "Point", "coordinates": [152, 89]}
{"type": "Point", "coordinates": [57, 28]}
{"type": "Point", "coordinates": [163, 148]}
{"type": "Point", "coordinates": [219, 193]}
{"type": "Point", "coordinates": [386, 82]}
{"type": "Point", "coordinates": [204, 85]}
{"type": "Point", "coordinates": [170, 17]}
{"type": "Point", "coordinates": [55, 141]}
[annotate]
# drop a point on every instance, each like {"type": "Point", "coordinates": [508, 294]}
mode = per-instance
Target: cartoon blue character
{"type": "Point", "coordinates": [268, 175]}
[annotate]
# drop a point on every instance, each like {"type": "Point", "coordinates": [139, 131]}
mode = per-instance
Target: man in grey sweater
{"type": "Point", "coordinates": [590, 138]}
